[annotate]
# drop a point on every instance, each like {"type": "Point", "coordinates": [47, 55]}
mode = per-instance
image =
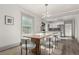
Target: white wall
{"type": "Point", "coordinates": [77, 27]}
{"type": "Point", "coordinates": [37, 25]}
{"type": "Point", "coordinates": [10, 34]}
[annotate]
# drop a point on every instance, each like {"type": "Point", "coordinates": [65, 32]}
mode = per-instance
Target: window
{"type": "Point", "coordinates": [27, 24]}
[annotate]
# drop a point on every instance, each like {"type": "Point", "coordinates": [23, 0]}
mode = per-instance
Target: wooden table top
{"type": "Point", "coordinates": [38, 35]}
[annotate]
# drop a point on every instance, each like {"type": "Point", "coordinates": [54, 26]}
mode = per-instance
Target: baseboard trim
{"type": "Point", "coordinates": [9, 46]}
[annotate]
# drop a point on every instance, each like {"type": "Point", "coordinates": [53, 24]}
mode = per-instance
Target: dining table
{"type": "Point", "coordinates": [36, 39]}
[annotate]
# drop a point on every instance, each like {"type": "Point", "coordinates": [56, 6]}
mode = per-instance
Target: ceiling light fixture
{"type": "Point", "coordinates": [46, 13]}
{"type": "Point", "coordinates": [46, 5]}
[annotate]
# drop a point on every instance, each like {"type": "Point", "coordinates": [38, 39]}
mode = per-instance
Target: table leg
{"type": "Point", "coordinates": [37, 49]}
{"type": "Point", "coordinates": [26, 46]}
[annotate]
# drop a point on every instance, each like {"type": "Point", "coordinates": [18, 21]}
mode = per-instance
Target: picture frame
{"type": "Point", "coordinates": [9, 20]}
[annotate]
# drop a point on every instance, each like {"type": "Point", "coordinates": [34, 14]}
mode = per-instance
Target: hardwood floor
{"type": "Point", "coordinates": [70, 47]}
{"type": "Point", "coordinates": [65, 47]}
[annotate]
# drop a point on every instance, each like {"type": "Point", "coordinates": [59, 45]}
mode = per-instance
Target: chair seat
{"type": "Point", "coordinates": [46, 44]}
{"type": "Point", "coordinates": [29, 46]}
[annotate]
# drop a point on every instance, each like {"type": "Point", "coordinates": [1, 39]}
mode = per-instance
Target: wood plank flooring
{"type": "Point", "coordinates": [70, 47]}
{"type": "Point", "coordinates": [65, 47]}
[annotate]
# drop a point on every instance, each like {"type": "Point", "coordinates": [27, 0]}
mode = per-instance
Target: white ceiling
{"type": "Point", "coordinates": [53, 9]}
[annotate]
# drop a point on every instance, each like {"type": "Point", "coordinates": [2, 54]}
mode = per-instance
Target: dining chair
{"type": "Point", "coordinates": [47, 43]}
{"type": "Point", "coordinates": [51, 42]}
{"type": "Point", "coordinates": [56, 38]}
{"type": "Point", "coordinates": [27, 44]}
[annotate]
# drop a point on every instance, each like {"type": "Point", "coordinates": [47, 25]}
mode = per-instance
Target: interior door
{"type": "Point", "coordinates": [68, 29]}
